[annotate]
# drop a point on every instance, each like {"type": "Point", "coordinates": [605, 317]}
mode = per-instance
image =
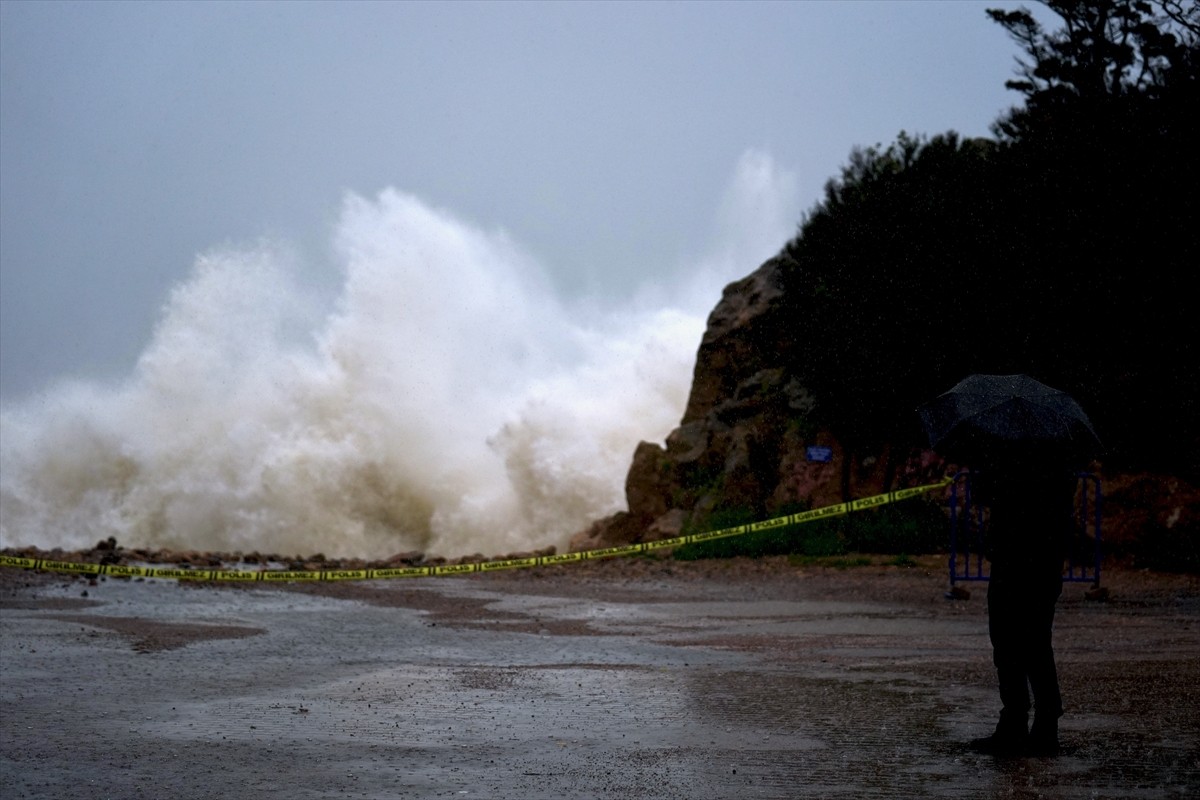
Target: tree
{"type": "Point", "coordinates": [1106, 51]}
{"type": "Point", "coordinates": [1105, 144]}
{"type": "Point", "coordinates": [883, 276]}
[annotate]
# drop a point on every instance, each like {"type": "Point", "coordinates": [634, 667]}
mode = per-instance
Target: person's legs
{"type": "Point", "coordinates": [1043, 674]}
{"type": "Point", "coordinates": [1008, 632]}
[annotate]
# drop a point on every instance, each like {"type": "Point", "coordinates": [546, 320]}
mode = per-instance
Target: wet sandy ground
{"type": "Point", "coordinates": [640, 678]}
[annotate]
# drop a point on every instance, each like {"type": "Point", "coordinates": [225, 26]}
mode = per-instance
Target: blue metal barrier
{"type": "Point", "coordinates": [968, 526]}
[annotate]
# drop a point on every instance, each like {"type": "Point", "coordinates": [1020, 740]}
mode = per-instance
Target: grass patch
{"type": "Point", "coordinates": [913, 526]}
{"type": "Point", "coordinates": [757, 544]}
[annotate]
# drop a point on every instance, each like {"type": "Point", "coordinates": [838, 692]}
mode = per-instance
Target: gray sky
{"type": "Point", "coordinates": [599, 136]}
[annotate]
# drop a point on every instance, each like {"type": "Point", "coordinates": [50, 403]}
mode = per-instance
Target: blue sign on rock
{"type": "Point", "coordinates": [819, 454]}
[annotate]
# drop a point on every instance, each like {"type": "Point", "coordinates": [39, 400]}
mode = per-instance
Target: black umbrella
{"type": "Point", "coordinates": [988, 418]}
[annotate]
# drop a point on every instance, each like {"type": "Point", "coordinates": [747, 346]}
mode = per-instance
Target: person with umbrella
{"type": "Point", "coordinates": [1023, 441]}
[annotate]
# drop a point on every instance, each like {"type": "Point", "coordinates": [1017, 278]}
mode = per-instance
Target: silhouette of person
{"type": "Point", "coordinates": [1029, 529]}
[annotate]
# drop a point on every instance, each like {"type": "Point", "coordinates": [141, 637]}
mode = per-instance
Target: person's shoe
{"type": "Point", "coordinates": [1043, 738]}
{"type": "Point", "coordinates": [1005, 746]}
{"type": "Point", "coordinates": [1011, 738]}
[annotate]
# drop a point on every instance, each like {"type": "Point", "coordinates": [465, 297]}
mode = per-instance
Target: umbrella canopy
{"type": "Point", "coordinates": [988, 418]}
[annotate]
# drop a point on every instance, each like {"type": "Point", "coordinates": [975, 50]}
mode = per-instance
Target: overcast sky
{"type": "Point", "coordinates": [601, 137]}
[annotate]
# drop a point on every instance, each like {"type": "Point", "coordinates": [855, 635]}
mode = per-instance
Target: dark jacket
{"type": "Point", "coordinates": [1030, 522]}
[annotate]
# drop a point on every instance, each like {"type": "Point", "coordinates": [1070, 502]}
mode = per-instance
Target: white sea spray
{"type": "Point", "coordinates": [451, 401]}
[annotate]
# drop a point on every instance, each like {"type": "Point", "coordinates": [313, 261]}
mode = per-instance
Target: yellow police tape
{"type": "Point", "coordinates": [177, 573]}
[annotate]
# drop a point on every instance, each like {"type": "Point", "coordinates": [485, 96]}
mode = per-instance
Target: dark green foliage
{"type": "Point", "coordinates": [913, 526]}
{"type": "Point", "coordinates": [1063, 250]}
{"type": "Point", "coordinates": [777, 541]}
{"type": "Point", "coordinates": [878, 280]}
